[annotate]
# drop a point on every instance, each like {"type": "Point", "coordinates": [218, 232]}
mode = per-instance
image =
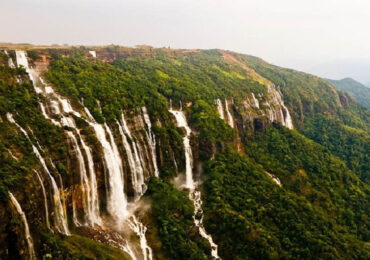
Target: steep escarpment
{"type": "Point", "coordinates": [114, 152]}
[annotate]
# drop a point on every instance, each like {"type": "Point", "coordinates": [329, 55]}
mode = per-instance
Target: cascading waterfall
{"type": "Point", "coordinates": [194, 194]}
{"type": "Point", "coordinates": [93, 53]}
{"type": "Point", "coordinates": [196, 197]}
{"type": "Point", "coordinates": [45, 200]}
{"type": "Point", "coordinates": [117, 203]}
{"type": "Point", "coordinates": [277, 98]}
{"type": "Point", "coordinates": [140, 231]}
{"type": "Point", "coordinates": [93, 204]}
{"type": "Point", "coordinates": [89, 189]}
{"type": "Point", "coordinates": [22, 61]}
{"type": "Point", "coordinates": [288, 118]}
{"type": "Point", "coordinates": [230, 120]}
{"type": "Point", "coordinates": [11, 63]}
{"type": "Point", "coordinates": [143, 153]}
{"type": "Point", "coordinates": [129, 153]}
{"type": "Point", "coordinates": [274, 178]}
{"type": "Point", "coordinates": [137, 169]}
{"type": "Point", "coordinates": [255, 101]}
{"type": "Point", "coordinates": [181, 122]}
{"type": "Point", "coordinates": [12, 155]}
{"type": "Point", "coordinates": [151, 140]}
{"type": "Point", "coordinates": [10, 60]}
{"type": "Point", "coordinates": [74, 211]}
{"type": "Point", "coordinates": [60, 219]}
{"type": "Point", "coordinates": [85, 187]}
{"type": "Point", "coordinates": [116, 198]}
{"type": "Point", "coordinates": [17, 206]}
{"type": "Point", "coordinates": [220, 109]}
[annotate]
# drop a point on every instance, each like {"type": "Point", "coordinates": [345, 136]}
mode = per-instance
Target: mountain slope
{"type": "Point", "coordinates": [356, 90]}
{"type": "Point", "coordinates": [279, 157]}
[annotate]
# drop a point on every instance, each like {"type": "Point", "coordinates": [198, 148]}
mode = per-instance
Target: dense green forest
{"type": "Point", "coordinates": [320, 211]}
{"type": "Point", "coordinates": [355, 89]}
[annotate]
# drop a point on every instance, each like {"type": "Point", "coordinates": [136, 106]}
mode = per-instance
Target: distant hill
{"type": "Point", "coordinates": [358, 91]}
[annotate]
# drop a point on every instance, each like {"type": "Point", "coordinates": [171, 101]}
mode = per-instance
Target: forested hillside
{"type": "Point", "coordinates": [358, 91]}
{"type": "Point", "coordinates": [143, 153]}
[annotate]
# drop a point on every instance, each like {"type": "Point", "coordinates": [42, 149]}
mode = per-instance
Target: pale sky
{"type": "Point", "coordinates": [326, 37]}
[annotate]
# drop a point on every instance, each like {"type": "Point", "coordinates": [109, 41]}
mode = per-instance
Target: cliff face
{"type": "Point", "coordinates": [111, 139]}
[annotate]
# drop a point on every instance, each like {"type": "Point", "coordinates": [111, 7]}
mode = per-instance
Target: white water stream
{"type": "Point", "coordinates": [134, 159]}
{"type": "Point", "coordinates": [116, 198]}
{"type": "Point", "coordinates": [230, 120]}
{"type": "Point", "coordinates": [220, 109]}
{"type": "Point", "coordinates": [140, 231]}
{"type": "Point", "coordinates": [194, 194]}
{"type": "Point", "coordinates": [93, 53]}
{"type": "Point", "coordinates": [17, 206]}
{"type": "Point", "coordinates": [60, 219]}
{"type": "Point", "coordinates": [45, 200]}
{"type": "Point", "coordinates": [22, 61]}
{"type": "Point", "coordinates": [151, 140]}
{"type": "Point", "coordinates": [255, 101]}
{"type": "Point", "coordinates": [181, 122]}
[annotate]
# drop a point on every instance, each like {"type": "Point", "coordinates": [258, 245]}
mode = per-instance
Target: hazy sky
{"type": "Point", "coordinates": [326, 37]}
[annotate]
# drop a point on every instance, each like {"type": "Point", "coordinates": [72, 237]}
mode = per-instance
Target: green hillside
{"type": "Point", "coordinates": [358, 91]}
{"type": "Point", "coordinates": [320, 211]}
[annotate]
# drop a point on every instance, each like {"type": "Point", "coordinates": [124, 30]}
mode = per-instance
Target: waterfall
{"type": "Point", "coordinates": [89, 189]}
{"type": "Point", "coordinates": [277, 98]}
{"type": "Point", "coordinates": [116, 199]}
{"type": "Point", "coordinates": [274, 178]}
{"type": "Point", "coordinates": [85, 187]}
{"type": "Point", "coordinates": [88, 185]}
{"type": "Point", "coordinates": [130, 158]}
{"type": "Point", "coordinates": [93, 53]}
{"type": "Point", "coordinates": [140, 231]}
{"type": "Point", "coordinates": [230, 120]}
{"type": "Point", "coordinates": [288, 118]}
{"type": "Point", "coordinates": [45, 200]}
{"type": "Point", "coordinates": [10, 60]}
{"type": "Point", "coordinates": [12, 155]}
{"type": "Point", "coordinates": [93, 204]}
{"type": "Point", "coordinates": [151, 140]}
{"type": "Point", "coordinates": [181, 122]}
{"type": "Point", "coordinates": [22, 61]}
{"type": "Point", "coordinates": [60, 219]}
{"type": "Point", "coordinates": [255, 101]}
{"type": "Point", "coordinates": [220, 109]}
{"type": "Point", "coordinates": [194, 194]}
{"type": "Point", "coordinates": [11, 63]}
{"type": "Point", "coordinates": [74, 213]}
{"type": "Point", "coordinates": [117, 202]}
{"type": "Point", "coordinates": [134, 160]}
{"type": "Point", "coordinates": [143, 154]}
{"type": "Point", "coordinates": [27, 234]}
